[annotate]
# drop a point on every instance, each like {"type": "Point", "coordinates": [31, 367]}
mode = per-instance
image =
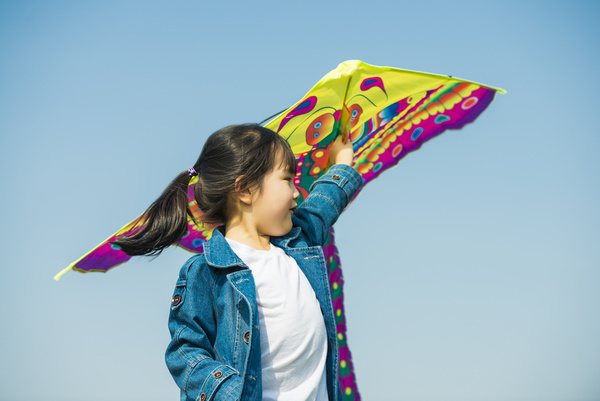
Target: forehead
{"type": "Point", "coordinates": [281, 170]}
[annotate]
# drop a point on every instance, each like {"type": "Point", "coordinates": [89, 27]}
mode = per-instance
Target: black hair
{"type": "Point", "coordinates": [234, 158]}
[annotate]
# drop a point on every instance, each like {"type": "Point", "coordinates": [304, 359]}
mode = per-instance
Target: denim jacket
{"type": "Point", "coordinates": [215, 351]}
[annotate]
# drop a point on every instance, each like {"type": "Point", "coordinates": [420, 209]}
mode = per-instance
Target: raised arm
{"type": "Point", "coordinates": [329, 195]}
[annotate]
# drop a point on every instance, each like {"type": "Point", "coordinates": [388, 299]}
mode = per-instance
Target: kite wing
{"type": "Point", "coordinates": [107, 255]}
{"type": "Point", "coordinates": [386, 112]}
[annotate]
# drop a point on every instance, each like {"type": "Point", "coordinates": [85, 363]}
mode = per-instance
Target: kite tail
{"type": "Point", "coordinates": [336, 280]}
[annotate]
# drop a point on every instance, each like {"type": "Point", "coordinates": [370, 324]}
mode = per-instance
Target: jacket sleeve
{"type": "Point", "coordinates": [190, 356]}
{"type": "Point", "coordinates": [328, 197]}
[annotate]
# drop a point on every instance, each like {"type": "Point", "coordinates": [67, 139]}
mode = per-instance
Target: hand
{"type": "Point", "coordinates": [341, 152]}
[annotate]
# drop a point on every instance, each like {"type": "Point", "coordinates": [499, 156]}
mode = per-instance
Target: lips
{"type": "Point", "coordinates": [292, 209]}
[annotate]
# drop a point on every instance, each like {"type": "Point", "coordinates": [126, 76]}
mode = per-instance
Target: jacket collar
{"type": "Point", "coordinates": [219, 254]}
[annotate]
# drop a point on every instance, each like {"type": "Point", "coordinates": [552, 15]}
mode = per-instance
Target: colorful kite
{"type": "Point", "coordinates": [386, 112]}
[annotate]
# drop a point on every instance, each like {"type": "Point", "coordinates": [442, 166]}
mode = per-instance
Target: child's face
{"type": "Point", "coordinates": [274, 203]}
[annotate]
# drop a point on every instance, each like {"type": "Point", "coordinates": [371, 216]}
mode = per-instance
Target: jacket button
{"type": "Point", "coordinates": [247, 337]}
{"type": "Point", "coordinates": [176, 300]}
{"type": "Point", "coordinates": [335, 177]}
{"type": "Point", "coordinates": [218, 375]}
{"type": "Point", "coordinates": [202, 397]}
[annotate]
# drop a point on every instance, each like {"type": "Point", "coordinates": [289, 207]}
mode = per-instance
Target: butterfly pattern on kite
{"type": "Point", "coordinates": [385, 112]}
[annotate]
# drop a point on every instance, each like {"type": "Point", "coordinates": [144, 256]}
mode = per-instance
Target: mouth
{"type": "Point", "coordinates": [293, 209]}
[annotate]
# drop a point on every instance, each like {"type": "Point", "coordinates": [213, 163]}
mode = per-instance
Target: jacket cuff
{"type": "Point", "coordinates": [217, 380]}
{"type": "Point", "coordinates": [344, 176]}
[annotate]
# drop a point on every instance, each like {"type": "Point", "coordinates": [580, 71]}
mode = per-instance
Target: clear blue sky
{"type": "Point", "coordinates": [487, 289]}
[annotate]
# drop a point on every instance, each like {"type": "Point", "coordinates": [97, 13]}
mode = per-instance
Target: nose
{"type": "Point", "coordinates": [296, 194]}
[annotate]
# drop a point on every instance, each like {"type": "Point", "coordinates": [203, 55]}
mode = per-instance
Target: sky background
{"type": "Point", "coordinates": [472, 270]}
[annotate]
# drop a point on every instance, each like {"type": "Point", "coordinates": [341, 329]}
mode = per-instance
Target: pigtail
{"type": "Point", "coordinates": [164, 223]}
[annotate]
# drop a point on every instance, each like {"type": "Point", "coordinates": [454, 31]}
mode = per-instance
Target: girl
{"type": "Point", "coordinates": [251, 317]}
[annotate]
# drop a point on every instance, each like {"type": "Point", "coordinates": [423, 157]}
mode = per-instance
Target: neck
{"type": "Point", "coordinates": [238, 232]}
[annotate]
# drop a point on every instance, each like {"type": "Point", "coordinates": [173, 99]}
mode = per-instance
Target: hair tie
{"type": "Point", "coordinates": [192, 171]}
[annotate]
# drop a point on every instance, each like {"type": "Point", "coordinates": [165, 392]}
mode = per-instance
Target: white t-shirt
{"type": "Point", "coordinates": [293, 338]}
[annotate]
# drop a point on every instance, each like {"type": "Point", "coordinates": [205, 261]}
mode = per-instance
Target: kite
{"type": "Point", "coordinates": [386, 113]}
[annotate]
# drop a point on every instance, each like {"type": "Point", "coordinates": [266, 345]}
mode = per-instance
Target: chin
{"type": "Point", "coordinates": [284, 230]}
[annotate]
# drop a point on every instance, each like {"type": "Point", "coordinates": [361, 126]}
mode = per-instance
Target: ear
{"type": "Point", "coordinates": [243, 194]}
